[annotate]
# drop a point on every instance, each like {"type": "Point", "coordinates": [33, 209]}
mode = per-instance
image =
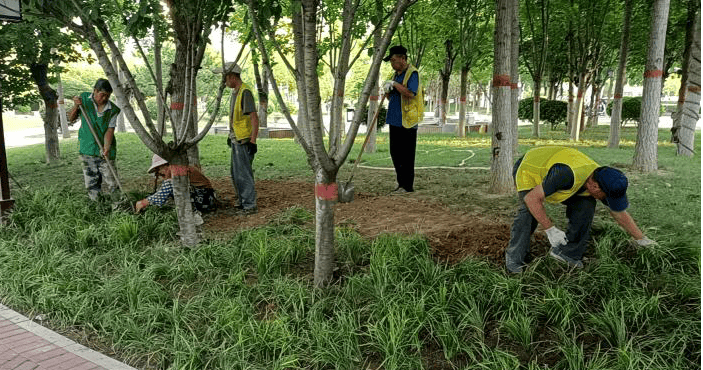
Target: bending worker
{"type": "Point", "coordinates": [565, 175]}
{"type": "Point", "coordinates": [202, 194]}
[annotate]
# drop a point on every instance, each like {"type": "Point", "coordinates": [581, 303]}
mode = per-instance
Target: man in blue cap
{"type": "Point", "coordinates": [564, 175]}
{"type": "Point", "coordinates": [405, 110]}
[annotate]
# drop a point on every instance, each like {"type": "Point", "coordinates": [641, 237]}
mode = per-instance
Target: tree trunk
{"type": "Point", "coordinates": [616, 110]}
{"type": "Point", "coordinates": [514, 74]}
{"type": "Point", "coordinates": [645, 158]}
{"type": "Point", "coordinates": [536, 109]}
{"type": "Point", "coordinates": [181, 196]}
{"type": "Point", "coordinates": [120, 118]}
{"type": "Point", "coordinates": [686, 134]}
{"type": "Point", "coordinates": [461, 130]}
{"type": "Point", "coordinates": [50, 98]}
{"type": "Point", "coordinates": [445, 73]}
{"type": "Point", "coordinates": [262, 87]}
{"type": "Point", "coordinates": [677, 115]}
{"type": "Point", "coordinates": [501, 181]}
{"type": "Point", "coordinates": [65, 133]}
{"type": "Point", "coordinates": [325, 199]}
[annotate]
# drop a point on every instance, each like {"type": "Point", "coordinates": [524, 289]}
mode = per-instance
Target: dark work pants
{"type": "Point", "coordinates": [402, 147]}
{"type": "Point", "coordinates": [579, 211]}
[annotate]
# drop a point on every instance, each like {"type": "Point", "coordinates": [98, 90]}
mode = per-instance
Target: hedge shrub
{"type": "Point", "coordinates": [631, 107]}
{"type": "Point", "coordinates": [552, 111]}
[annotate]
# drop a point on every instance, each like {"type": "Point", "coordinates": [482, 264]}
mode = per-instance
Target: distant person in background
{"type": "Point", "coordinates": [405, 111]}
{"type": "Point", "coordinates": [202, 194]}
{"type": "Point", "coordinates": [103, 115]}
{"type": "Point", "coordinates": [243, 131]}
{"type": "Point", "coordinates": [564, 175]}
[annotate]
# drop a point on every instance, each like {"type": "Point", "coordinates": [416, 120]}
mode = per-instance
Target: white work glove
{"type": "Point", "coordinates": [388, 86]}
{"type": "Point", "coordinates": [644, 242]}
{"type": "Point", "coordinates": [556, 237]}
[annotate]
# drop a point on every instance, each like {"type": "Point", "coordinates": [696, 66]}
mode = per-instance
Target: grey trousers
{"type": "Point", "coordinates": [243, 175]}
{"type": "Point", "coordinates": [579, 212]}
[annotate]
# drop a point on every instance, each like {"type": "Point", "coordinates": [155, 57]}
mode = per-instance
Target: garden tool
{"type": "Point", "coordinates": [123, 202]}
{"type": "Point", "coordinates": [345, 192]}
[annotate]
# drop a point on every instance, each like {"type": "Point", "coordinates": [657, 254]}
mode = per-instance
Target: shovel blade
{"type": "Point", "coordinates": [345, 192]}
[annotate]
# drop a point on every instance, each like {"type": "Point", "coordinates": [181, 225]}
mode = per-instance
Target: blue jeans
{"type": "Point", "coordinates": [579, 211]}
{"type": "Point", "coordinates": [243, 175]}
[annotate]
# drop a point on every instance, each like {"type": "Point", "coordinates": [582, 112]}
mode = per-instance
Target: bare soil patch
{"type": "Point", "coordinates": [453, 235]}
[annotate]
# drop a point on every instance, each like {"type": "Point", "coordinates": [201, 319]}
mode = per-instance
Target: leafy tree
{"type": "Point", "coordinates": [306, 21]}
{"type": "Point", "coordinates": [535, 40]}
{"type": "Point", "coordinates": [28, 63]}
{"type": "Point", "coordinates": [191, 23]}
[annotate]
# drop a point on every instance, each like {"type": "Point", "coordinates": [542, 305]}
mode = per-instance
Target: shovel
{"type": "Point", "coordinates": [346, 191]}
{"type": "Point", "coordinates": [107, 160]}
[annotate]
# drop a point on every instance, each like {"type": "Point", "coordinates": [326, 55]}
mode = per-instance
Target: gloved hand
{"type": "Point", "coordinates": [556, 237]}
{"type": "Point", "coordinates": [388, 86]}
{"type": "Point", "coordinates": [644, 242]}
{"type": "Point", "coordinates": [251, 147]}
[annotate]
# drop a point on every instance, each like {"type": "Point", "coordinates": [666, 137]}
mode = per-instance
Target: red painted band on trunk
{"type": "Point", "coordinates": [373, 97]}
{"type": "Point", "coordinates": [176, 106]}
{"type": "Point", "coordinates": [537, 99]}
{"type": "Point", "coordinates": [179, 170]}
{"type": "Point", "coordinates": [579, 94]}
{"type": "Point", "coordinates": [326, 191]}
{"type": "Point", "coordinates": [653, 73]}
{"type": "Point", "coordinates": [501, 80]}
{"type": "Point", "coordinates": [513, 86]}
{"type": "Point", "coordinates": [571, 98]}
{"type": "Point", "coordinates": [617, 96]}
{"type": "Point", "coordinates": [53, 105]}
{"type": "Point", "coordinates": [60, 101]}
{"type": "Point", "coordinates": [694, 89]}
{"type": "Point", "coordinates": [462, 99]}
{"type": "Point", "coordinates": [340, 93]}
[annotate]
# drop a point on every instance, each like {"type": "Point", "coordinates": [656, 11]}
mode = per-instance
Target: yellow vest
{"type": "Point", "coordinates": [412, 109]}
{"type": "Point", "coordinates": [240, 123]}
{"type": "Point", "coordinates": [537, 162]}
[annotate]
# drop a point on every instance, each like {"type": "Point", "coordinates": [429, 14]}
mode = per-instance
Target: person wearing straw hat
{"type": "Point", "coordinates": [103, 115]}
{"type": "Point", "coordinates": [202, 194]}
{"type": "Point", "coordinates": [564, 175]}
{"type": "Point", "coordinates": [243, 131]}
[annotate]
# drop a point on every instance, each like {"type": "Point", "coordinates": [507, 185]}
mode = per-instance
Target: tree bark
{"type": "Point", "coordinates": [514, 74]}
{"type": "Point", "coordinates": [645, 158]}
{"type": "Point", "coordinates": [616, 110]}
{"type": "Point", "coordinates": [501, 181]}
{"type": "Point", "coordinates": [461, 131]}
{"type": "Point", "coordinates": [536, 109]}
{"type": "Point", "coordinates": [677, 115]}
{"type": "Point", "coordinates": [50, 98]}
{"type": "Point", "coordinates": [65, 133]}
{"type": "Point", "coordinates": [686, 134]}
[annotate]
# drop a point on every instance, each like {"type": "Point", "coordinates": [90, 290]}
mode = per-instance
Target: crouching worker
{"type": "Point", "coordinates": [565, 175]}
{"type": "Point", "coordinates": [202, 195]}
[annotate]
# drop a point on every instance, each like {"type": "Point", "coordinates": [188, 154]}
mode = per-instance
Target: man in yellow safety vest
{"type": "Point", "coordinates": [564, 175]}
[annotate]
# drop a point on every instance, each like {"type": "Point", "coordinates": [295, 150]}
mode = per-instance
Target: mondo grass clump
{"type": "Point", "coordinates": [248, 302]}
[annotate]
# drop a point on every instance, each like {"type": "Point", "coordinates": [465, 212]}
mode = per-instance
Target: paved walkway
{"type": "Point", "coordinates": [26, 345]}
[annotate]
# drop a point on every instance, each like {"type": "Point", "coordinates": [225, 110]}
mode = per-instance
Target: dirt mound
{"type": "Point", "coordinates": [453, 236]}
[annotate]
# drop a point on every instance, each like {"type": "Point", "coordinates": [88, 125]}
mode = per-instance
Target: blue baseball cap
{"type": "Point", "coordinates": [614, 184]}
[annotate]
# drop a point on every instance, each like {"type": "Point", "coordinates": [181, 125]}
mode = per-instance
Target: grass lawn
{"type": "Point", "coordinates": [122, 283]}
